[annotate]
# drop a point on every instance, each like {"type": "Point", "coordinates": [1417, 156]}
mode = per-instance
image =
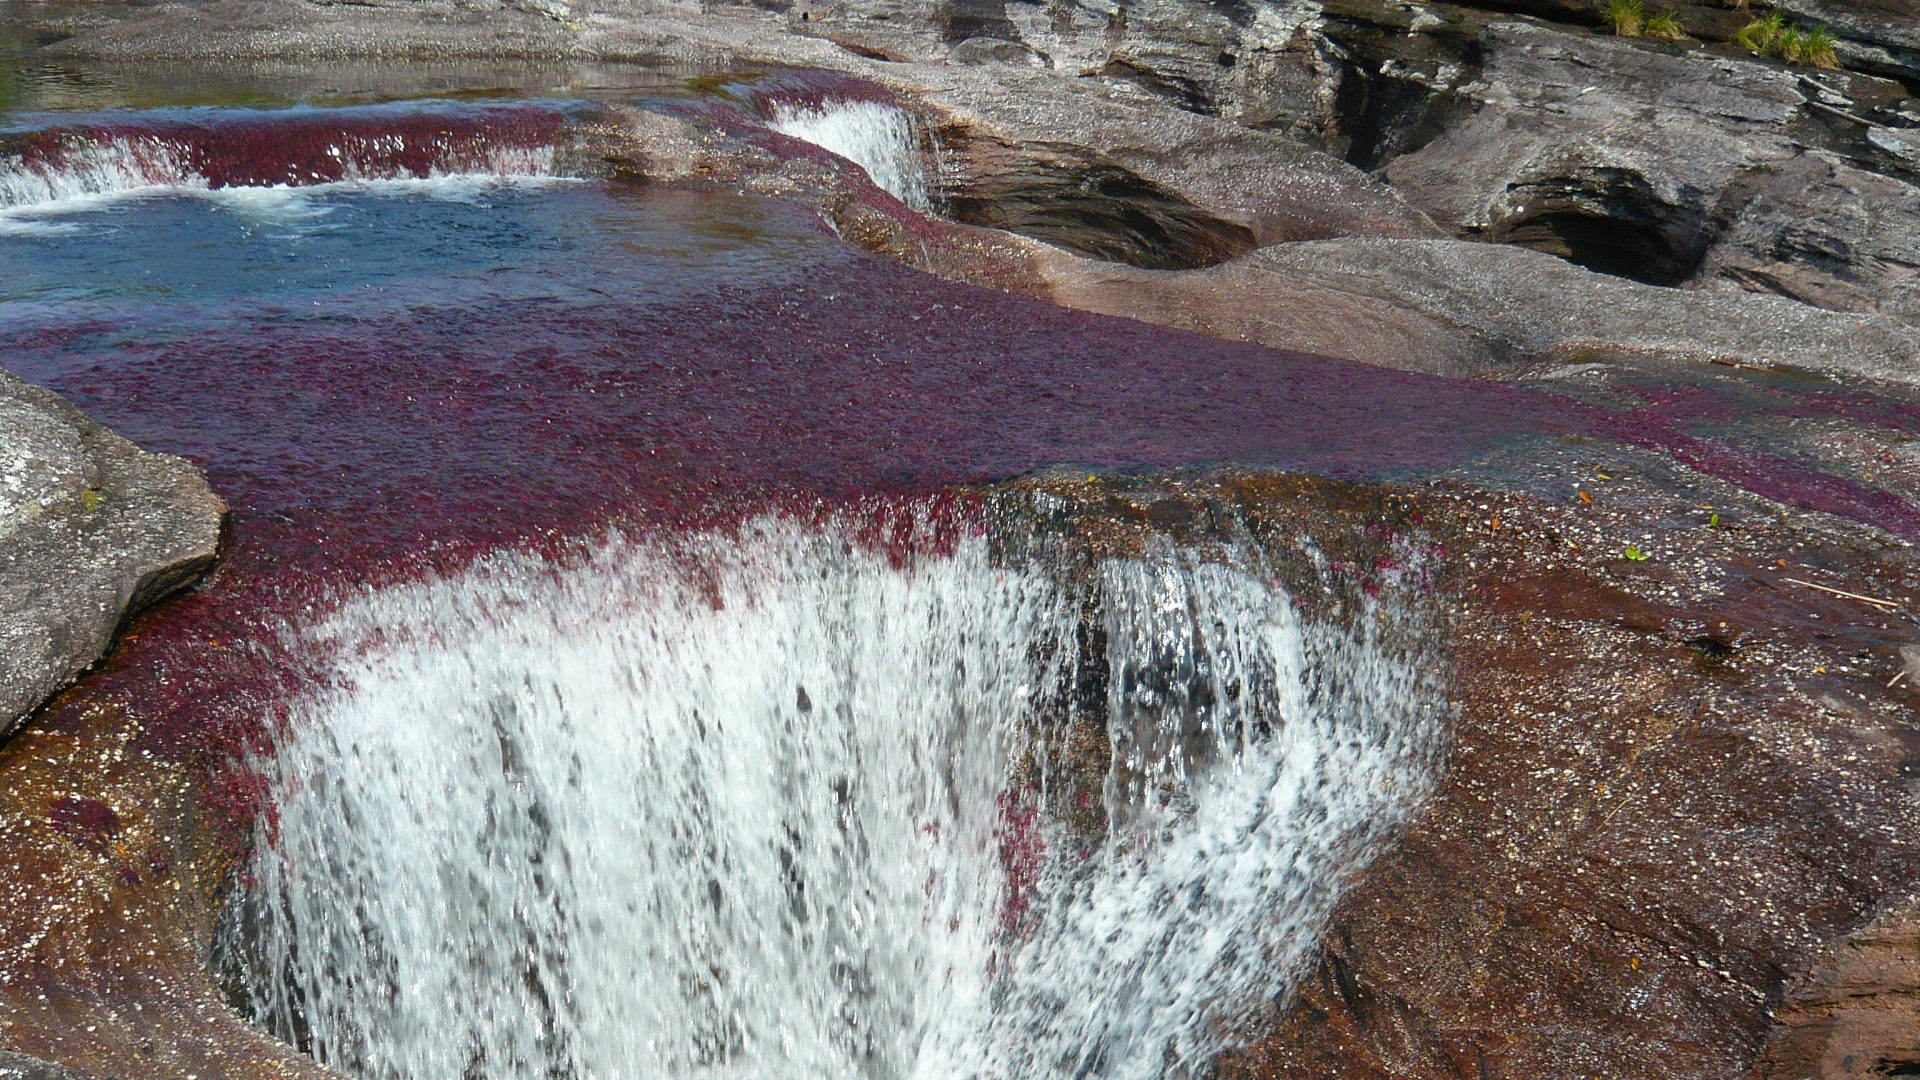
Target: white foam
{"type": "Point", "coordinates": [733, 806]}
{"type": "Point", "coordinates": [882, 139]}
{"type": "Point", "coordinates": [89, 178]}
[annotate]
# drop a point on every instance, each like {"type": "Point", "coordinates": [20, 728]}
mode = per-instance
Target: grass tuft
{"type": "Point", "coordinates": [1666, 26]}
{"type": "Point", "coordinates": [1811, 46]}
{"type": "Point", "coordinates": [1627, 17]}
{"type": "Point", "coordinates": [1761, 34]}
{"type": "Point", "coordinates": [1816, 49]}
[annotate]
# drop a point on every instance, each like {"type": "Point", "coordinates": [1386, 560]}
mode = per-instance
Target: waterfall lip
{"type": "Point", "coordinates": [883, 139]}
{"type": "Point", "coordinates": [55, 163]}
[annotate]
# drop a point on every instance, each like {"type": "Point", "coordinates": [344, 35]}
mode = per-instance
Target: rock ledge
{"type": "Point", "coordinates": [91, 528]}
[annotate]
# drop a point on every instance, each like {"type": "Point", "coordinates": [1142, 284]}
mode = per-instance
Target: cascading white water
{"type": "Point", "coordinates": [736, 806]}
{"type": "Point", "coordinates": [879, 138]}
{"type": "Point", "coordinates": [114, 166]}
{"type": "Point", "coordinates": [84, 176]}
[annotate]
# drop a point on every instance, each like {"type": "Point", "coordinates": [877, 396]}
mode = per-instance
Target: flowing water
{"type": "Point", "coordinates": [739, 806]}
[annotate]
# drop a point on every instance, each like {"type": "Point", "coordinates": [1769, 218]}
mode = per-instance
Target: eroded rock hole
{"type": "Point", "coordinates": [1628, 246]}
{"type": "Point", "coordinates": [1077, 200]}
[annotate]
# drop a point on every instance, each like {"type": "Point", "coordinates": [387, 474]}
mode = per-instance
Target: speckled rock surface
{"type": "Point", "coordinates": [1457, 307]}
{"type": "Point", "coordinates": [1827, 234]}
{"type": "Point", "coordinates": [22, 1067]}
{"type": "Point", "coordinates": [91, 527]}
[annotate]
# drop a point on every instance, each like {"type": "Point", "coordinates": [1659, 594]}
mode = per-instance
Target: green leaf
{"type": "Point", "coordinates": [1634, 554]}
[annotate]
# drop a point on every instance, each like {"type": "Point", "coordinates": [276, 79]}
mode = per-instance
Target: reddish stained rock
{"type": "Point", "coordinates": [84, 821]}
{"type": "Point", "coordinates": [1648, 858]}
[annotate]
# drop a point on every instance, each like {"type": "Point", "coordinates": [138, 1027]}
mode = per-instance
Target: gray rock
{"type": "Point", "coordinates": [1461, 308]}
{"type": "Point", "coordinates": [1272, 186]}
{"type": "Point", "coordinates": [1607, 153]}
{"type": "Point", "coordinates": [1826, 234]}
{"type": "Point", "coordinates": [986, 50]}
{"type": "Point", "coordinates": [1877, 35]}
{"type": "Point", "coordinates": [91, 528]}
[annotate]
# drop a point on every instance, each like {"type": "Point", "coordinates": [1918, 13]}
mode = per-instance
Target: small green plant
{"type": "Point", "coordinates": [1761, 34]}
{"type": "Point", "coordinates": [1627, 17]}
{"type": "Point", "coordinates": [1666, 26]}
{"type": "Point", "coordinates": [1714, 521]}
{"type": "Point", "coordinates": [1811, 46]}
{"type": "Point", "coordinates": [1634, 554]}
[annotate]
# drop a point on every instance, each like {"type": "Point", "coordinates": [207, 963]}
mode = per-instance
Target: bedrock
{"type": "Point", "coordinates": [91, 529]}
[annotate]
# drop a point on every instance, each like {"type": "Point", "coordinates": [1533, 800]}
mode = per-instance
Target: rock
{"type": "Point", "coordinates": [1876, 35]}
{"type": "Point", "coordinates": [1638, 848]}
{"type": "Point", "coordinates": [1457, 307]}
{"type": "Point", "coordinates": [1827, 234]}
{"type": "Point", "coordinates": [91, 528]}
{"type": "Point", "coordinates": [1856, 1011]}
{"type": "Point", "coordinates": [22, 1067]}
{"type": "Point", "coordinates": [986, 50]}
{"type": "Point", "coordinates": [1602, 152]}
{"type": "Point", "coordinates": [1273, 187]}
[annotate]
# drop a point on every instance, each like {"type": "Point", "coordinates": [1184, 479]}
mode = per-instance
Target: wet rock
{"type": "Point", "coordinates": [23, 1067]}
{"type": "Point", "coordinates": [1827, 234]}
{"type": "Point", "coordinates": [1856, 1010]}
{"type": "Point", "coordinates": [1645, 860]}
{"type": "Point", "coordinates": [91, 528]}
{"type": "Point", "coordinates": [1608, 154]}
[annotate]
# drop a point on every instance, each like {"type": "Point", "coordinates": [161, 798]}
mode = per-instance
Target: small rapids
{"type": "Point", "coordinates": [78, 164]}
{"type": "Point", "coordinates": [882, 139]}
{"type": "Point", "coordinates": [759, 803]}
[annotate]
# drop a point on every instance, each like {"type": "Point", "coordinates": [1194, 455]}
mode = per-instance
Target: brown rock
{"type": "Point", "coordinates": [1856, 1011]}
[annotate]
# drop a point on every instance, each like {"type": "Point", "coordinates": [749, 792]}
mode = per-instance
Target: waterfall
{"type": "Point", "coordinates": [882, 139]}
{"type": "Point", "coordinates": [82, 164]}
{"type": "Point", "coordinates": [758, 803]}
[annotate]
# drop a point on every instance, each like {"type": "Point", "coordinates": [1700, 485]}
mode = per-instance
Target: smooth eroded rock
{"type": "Point", "coordinates": [1606, 153]}
{"type": "Point", "coordinates": [1457, 307]}
{"type": "Point", "coordinates": [91, 528]}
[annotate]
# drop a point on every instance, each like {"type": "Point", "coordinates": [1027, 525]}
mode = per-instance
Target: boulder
{"type": "Point", "coordinates": [91, 528]}
{"type": "Point", "coordinates": [1827, 234]}
{"type": "Point", "coordinates": [1600, 151]}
